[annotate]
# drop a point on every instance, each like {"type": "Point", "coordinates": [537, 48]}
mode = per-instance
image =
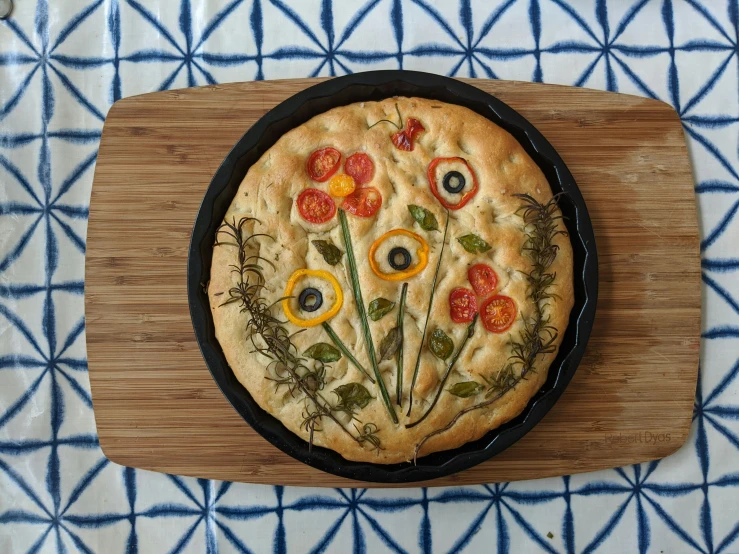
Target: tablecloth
{"type": "Point", "coordinates": [62, 65]}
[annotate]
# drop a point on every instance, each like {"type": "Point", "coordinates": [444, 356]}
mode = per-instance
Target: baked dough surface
{"type": "Point", "coordinates": [268, 192]}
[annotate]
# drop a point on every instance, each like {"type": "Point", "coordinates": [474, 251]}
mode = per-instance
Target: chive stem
{"type": "Point", "coordinates": [468, 336]}
{"type": "Point", "coordinates": [428, 315]}
{"type": "Point", "coordinates": [344, 350]}
{"type": "Point", "coordinates": [399, 355]}
{"type": "Point", "coordinates": [363, 313]}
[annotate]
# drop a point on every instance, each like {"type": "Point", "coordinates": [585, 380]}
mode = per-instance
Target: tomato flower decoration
{"type": "Point", "coordinates": [363, 202]}
{"type": "Point", "coordinates": [323, 163]}
{"type": "Point", "coordinates": [315, 206]}
{"type": "Point", "coordinates": [403, 140]}
{"type": "Point", "coordinates": [458, 182]}
{"type": "Point", "coordinates": [497, 312]}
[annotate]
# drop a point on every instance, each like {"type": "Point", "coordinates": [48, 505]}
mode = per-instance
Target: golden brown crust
{"type": "Point", "coordinates": [503, 169]}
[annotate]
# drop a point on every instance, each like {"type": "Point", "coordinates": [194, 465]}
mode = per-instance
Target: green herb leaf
{"type": "Point", "coordinates": [465, 389]}
{"type": "Point", "coordinates": [379, 307]}
{"type": "Point", "coordinates": [330, 253]}
{"type": "Point", "coordinates": [424, 218]}
{"type": "Point", "coordinates": [352, 395]}
{"type": "Point", "coordinates": [441, 344]}
{"type": "Point", "coordinates": [473, 244]}
{"type": "Point", "coordinates": [390, 344]}
{"type": "Point", "coordinates": [323, 352]}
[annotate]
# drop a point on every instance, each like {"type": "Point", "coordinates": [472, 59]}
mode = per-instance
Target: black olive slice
{"type": "Point", "coordinates": [454, 182]}
{"type": "Point", "coordinates": [395, 254]}
{"type": "Point", "coordinates": [310, 299]}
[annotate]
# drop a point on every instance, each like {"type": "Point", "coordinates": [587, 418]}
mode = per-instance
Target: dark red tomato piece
{"type": "Point", "coordinates": [497, 313]}
{"type": "Point", "coordinates": [462, 305]}
{"type": "Point", "coordinates": [363, 202]}
{"type": "Point", "coordinates": [316, 206]}
{"type": "Point", "coordinates": [403, 140]}
{"type": "Point", "coordinates": [323, 163]}
{"type": "Point", "coordinates": [413, 127]}
{"type": "Point", "coordinates": [360, 167]}
{"type": "Point", "coordinates": [466, 197]}
{"type": "Point", "coordinates": [483, 279]}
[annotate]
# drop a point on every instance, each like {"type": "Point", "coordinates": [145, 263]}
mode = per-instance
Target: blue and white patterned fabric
{"type": "Point", "coordinates": [63, 63]}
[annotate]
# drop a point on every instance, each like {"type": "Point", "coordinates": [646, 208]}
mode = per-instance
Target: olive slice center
{"type": "Point", "coordinates": [454, 182]}
{"type": "Point", "coordinates": [310, 299]}
{"type": "Point", "coordinates": [399, 258]}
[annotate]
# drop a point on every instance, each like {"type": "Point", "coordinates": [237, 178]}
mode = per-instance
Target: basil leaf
{"type": "Point", "coordinates": [473, 244]}
{"type": "Point", "coordinates": [465, 389]}
{"type": "Point", "coordinates": [323, 352]}
{"type": "Point", "coordinates": [425, 218]}
{"type": "Point", "coordinates": [441, 344]}
{"type": "Point", "coordinates": [390, 344]}
{"type": "Point", "coordinates": [330, 253]}
{"type": "Point", "coordinates": [379, 307]}
{"type": "Point", "coordinates": [351, 396]}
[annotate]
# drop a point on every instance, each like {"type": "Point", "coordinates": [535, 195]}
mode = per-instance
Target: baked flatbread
{"type": "Point", "coordinates": [420, 170]}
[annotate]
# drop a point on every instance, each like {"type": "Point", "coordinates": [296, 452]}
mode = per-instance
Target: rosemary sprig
{"type": "Point", "coordinates": [396, 125]}
{"type": "Point", "coordinates": [537, 337]}
{"type": "Point", "coordinates": [341, 346]}
{"type": "Point", "coordinates": [428, 314]}
{"type": "Point", "coordinates": [455, 357]}
{"type": "Point", "coordinates": [268, 335]}
{"type": "Point", "coordinates": [399, 354]}
{"type": "Point", "coordinates": [363, 313]}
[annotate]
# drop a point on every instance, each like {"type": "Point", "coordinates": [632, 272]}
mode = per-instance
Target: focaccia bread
{"type": "Point", "coordinates": [447, 229]}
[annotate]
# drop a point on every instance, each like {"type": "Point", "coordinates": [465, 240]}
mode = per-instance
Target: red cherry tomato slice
{"type": "Point", "coordinates": [360, 167]}
{"type": "Point", "coordinates": [462, 305]}
{"type": "Point", "coordinates": [483, 279]}
{"type": "Point", "coordinates": [323, 163]}
{"type": "Point", "coordinates": [403, 140]}
{"type": "Point", "coordinates": [435, 187]}
{"type": "Point", "coordinates": [497, 313]}
{"type": "Point", "coordinates": [316, 206]}
{"type": "Point", "coordinates": [363, 202]}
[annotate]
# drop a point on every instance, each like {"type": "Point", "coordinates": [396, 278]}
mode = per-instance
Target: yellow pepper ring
{"type": "Point", "coordinates": [312, 322]}
{"type": "Point", "coordinates": [423, 256]}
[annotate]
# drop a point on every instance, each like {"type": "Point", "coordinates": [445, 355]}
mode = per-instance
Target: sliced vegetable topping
{"type": "Point", "coordinates": [323, 163]}
{"type": "Point", "coordinates": [497, 313]}
{"type": "Point", "coordinates": [341, 185]}
{"type": "Point", "coordinates": [403, 140]}
{"type": "Point", "coordinates": [448, 198]}
{"type": "Point", "coordinates": [310, 299]}
{"type": "Point", "coordinates": [422, 252]}
{"type": "Point", "coordinates": [399, 258]}
{"type": "Point", "coordinates": [483, 279]}
{"type": "Point", "coordinates": [363, 202]}
{"type": "Point", "coordinates": [360, 167]}
{"type": "Point", "coordinates": [292, 284]}
{"type": "Point", "coordinates": [315, 206]}
{"type": "Point", "coordinates": [454, 182]}
{"type": "Point", "coordinates": [462, 305]}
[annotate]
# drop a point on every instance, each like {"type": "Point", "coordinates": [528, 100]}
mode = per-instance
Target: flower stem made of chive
{"type": "Point", "coordinates": [346, 235]}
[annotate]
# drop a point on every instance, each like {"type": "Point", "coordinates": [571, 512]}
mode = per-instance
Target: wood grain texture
{"type": "Point", "coordinates": [156, 405]}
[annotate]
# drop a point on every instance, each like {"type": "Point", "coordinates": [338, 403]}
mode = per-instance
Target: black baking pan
{"type": "Point", "coordinates": [377, 85]}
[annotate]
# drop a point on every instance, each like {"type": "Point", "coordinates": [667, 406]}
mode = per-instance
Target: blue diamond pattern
{"type": "Point", "coordinates": [63, 64]}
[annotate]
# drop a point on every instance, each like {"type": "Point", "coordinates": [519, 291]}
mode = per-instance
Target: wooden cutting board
{"type": "Point", "coordinates": [156, 405]}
